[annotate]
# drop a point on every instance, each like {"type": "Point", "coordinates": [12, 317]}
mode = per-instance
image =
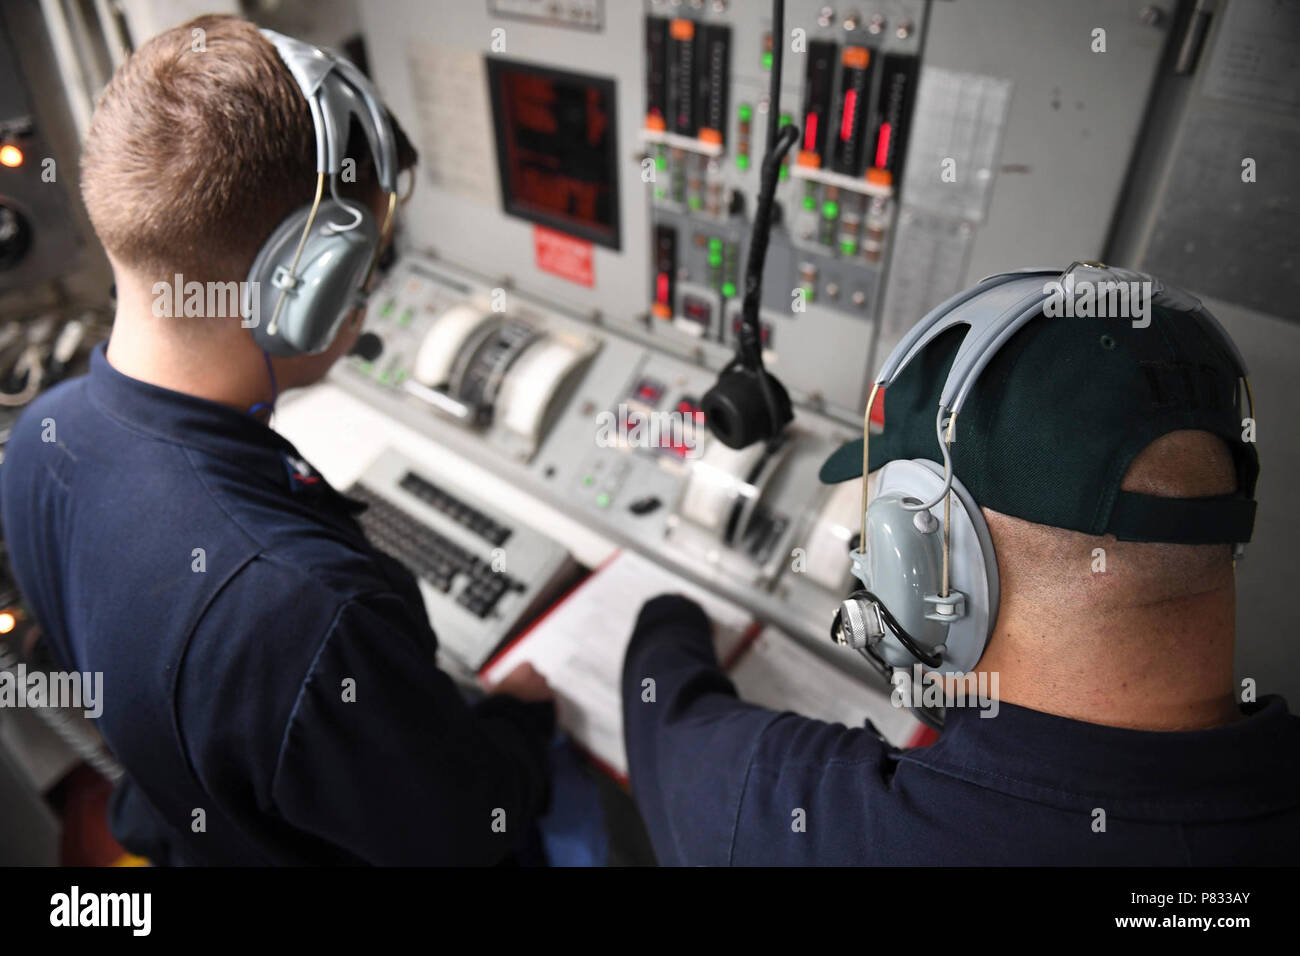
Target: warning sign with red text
{"type": "Point", "coordinates": [564, 256]}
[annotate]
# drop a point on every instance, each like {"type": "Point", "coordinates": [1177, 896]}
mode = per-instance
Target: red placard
{"type": "Point", "coordinates": [564, 256]}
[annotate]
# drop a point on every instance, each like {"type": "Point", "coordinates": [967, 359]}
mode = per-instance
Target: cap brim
{"type": "Point", "coordinates": [844, 463]}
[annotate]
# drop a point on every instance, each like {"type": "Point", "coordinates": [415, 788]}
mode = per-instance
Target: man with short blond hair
{"type": "Point", "coordinates": [269, 677]}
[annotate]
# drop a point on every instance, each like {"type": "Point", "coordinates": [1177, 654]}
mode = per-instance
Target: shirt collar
{"type": "Point", "coordinates": [219, 430]}
{"type": "Point", "coordinates": [176, 416]}
{"type": "Point", "coordinates": [1252, 763]}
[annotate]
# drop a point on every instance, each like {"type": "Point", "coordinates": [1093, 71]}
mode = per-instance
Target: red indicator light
{"type": "Point", "coordinates": [810, 132]}
{"type": "Point", "coordinates": [850, 107]}
{"type": "Point", "coordinates": [882, 145]}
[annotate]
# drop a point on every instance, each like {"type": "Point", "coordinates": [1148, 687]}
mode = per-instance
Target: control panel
{"type": "Point", "coordinates": [575, 248]}
{"type": "Point", "coordinates": [610, 431]}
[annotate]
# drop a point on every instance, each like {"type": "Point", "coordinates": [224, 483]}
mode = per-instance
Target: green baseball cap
{"type": "Point", "coordinates": [1058, 412]}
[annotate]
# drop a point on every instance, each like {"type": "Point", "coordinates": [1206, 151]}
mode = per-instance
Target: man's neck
{"type": "Point", "coordinates": [217, 364]}
{"type": "Point", "coordinates": [1161, 666]}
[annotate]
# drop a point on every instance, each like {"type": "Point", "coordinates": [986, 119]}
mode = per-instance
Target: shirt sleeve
{"type": "Point", "coordinates": [690, 740]}
{"type": "Point", "coordinates": [383, 757]}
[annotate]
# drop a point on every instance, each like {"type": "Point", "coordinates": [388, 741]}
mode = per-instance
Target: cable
{"type": "Point", "coordinates": [748, 404]}
{"type": "Point", "coordinates": [30, 362]}
{"type": "Point", "coordinates": [778, 144]}
{"type": "Point", "coordinates": [947, 463]}
{"type": "Point", "coordinates": [911, 644]}
{"type": "Point", "coordinates": [275, 389]}
{"type": "Point", "coordinates": [333, 228]}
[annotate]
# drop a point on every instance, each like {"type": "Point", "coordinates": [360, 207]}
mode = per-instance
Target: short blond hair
{"type": "Point", "coordinates": [197, 150]}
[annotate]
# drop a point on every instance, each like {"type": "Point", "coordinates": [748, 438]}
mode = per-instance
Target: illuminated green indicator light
{"type": "Point", "coordinates": [661, 161]}
{"type": "Point", "coordinates": [785, 172]}
{"type": "Point", "coordinates": [659, 194]}
{"type": "Point", "coordinates": [785, 119]}
{"type": "Point", "coordinates": [694, 202]}
{"type": "Point", "coordinates": [729, 289]}
{"type": "Point", "coordinates": [602, 500]}
{"type": "Point", "coordinates": [830, 209]}
{"type": "Point", "coordinates": [809, 293]}
{"type": "Point", "coordinates": [589, 480]}
{"type": "Point", "coordinates": [405, 318]}
{"type": "Point", "coordinates": [767, 59]}
{"type": "Point", "coordinates": [388, 308]}
{"type": "Point", "coordinates": [714, 243]}
{"type": "Point", "coordinates": [384, 378]}
{"type": "Point", "coordinates": [715, 259]}
{"type": "Point", "coordinates": [746, 112]}
{"type": "Point", "coordinates": [848, 246]}
{"type": "Point", "coordinates": [742, 160]}
{"type": "Point", "coordinates": [809, 202]}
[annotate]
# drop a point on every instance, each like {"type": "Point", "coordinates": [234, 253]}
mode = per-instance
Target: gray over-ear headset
{"type": "Point", "coordinates": [314, 268]}
{"type": "Point", "coordinates": [929, 582]}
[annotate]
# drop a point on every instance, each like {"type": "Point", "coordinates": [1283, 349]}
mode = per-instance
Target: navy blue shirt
{"type": "Point", "coordinates": [720, 781]}
{"type": "Point", "coordinates": [269, 677]}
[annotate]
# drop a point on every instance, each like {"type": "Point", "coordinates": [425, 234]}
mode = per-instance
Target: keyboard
{"type": "Point", "coordinates": [483, 577]}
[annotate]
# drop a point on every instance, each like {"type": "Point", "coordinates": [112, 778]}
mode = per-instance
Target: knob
{"type": "Point", "coordinates": [858, 624]}
{"type": "Point", "coordinates": [369, 346]}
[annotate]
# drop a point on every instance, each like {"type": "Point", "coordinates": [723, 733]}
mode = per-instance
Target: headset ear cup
{"type": "Point", "coordinates": [325, 287]}
{"type": "Point", "coordinates": [902, 564]}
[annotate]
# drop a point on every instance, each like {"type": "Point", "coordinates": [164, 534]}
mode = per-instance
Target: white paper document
{"type": "Point", "coordinates": [580, 644]}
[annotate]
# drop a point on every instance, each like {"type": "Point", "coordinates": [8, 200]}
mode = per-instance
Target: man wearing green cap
{"type": "Point", "coordinates": [1119, 738]}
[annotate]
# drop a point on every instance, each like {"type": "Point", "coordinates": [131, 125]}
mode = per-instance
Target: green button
{"type": "Point", "coordinates": [602, 500]}
{"type": "Point", "coordinates": [848, 246]}
{"type": "Point", "coordinates": [786, 119]}
{"type": "Point", "coordinates": [830, 209]}
{"type": "Point", "coordinates": [694, 202]}
{"type": "Point", "coordinates": [589, 480]}
{"type": "Point", "coordinates": [784, 172]}
{"type": "Point", "coordinates": [767, 59]}
{"type": "Point", "coordinates": [714, 243]}
{"type": "Point", "coordinates": [746, 112]}
{"type": "Point", "coordinates": [809, 202]}
{"type": "Point", "coordinates": [384, 377]}
{"type": "Point", "coordinates": [661, 161]}
{"type": "Point", "coordinates": [659, 194]}
{"type": "Point", "coordinates": [729, 289]}
{"type": "Point", "coordinates": [742, 160]}
{"type": "Point", "coordinates": [809, 293]}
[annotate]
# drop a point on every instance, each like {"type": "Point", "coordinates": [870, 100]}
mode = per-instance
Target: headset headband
{"type": "Point", "coordinates": [1008, 301]}
{"type": "Point", "coordinates": [337, 92]}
